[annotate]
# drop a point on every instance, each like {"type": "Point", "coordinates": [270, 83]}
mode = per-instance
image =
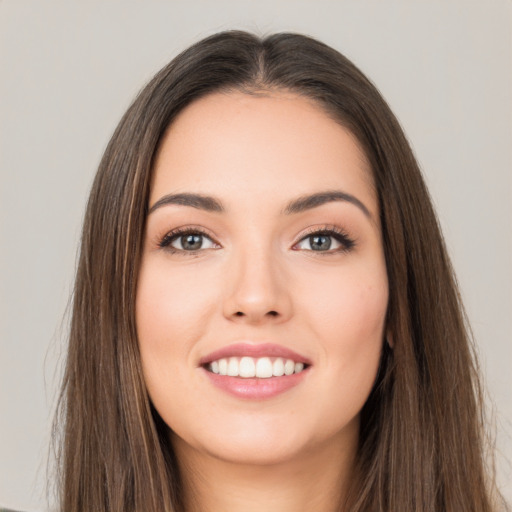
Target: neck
{"type": "Point", "coordinates": [317, 480]}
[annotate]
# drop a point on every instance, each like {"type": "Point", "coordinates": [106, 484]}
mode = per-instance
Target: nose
{"type": "Point", "coordinates": [256, 289]}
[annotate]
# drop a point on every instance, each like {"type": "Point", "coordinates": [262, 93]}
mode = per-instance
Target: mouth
{"type": "Point", "coordinates": [243, 369]}
{"type": "Point", "coordinates": [250, 367]}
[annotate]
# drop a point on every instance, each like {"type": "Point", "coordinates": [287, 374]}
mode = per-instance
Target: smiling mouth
{"type": "Point", "coordinates": [251, 367]}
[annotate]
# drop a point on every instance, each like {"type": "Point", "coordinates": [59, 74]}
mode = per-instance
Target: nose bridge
{"type": "Point", "coordinates": [256, 289]}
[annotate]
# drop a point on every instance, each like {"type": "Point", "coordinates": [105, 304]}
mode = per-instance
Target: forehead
{"type": "Point", "coordinates": [247, 144]}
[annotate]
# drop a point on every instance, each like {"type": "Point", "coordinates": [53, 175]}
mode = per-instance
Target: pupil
{"type": "Point", "coordinates": [191, 242]}
{"type": "Point", "coordinates": [320, 242]}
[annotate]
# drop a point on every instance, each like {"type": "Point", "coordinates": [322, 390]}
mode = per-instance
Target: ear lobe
{"type": "Point", "coordinates": [389, 340]}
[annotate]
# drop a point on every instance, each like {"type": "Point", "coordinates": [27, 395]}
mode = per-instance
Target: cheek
{"type": "Point", "coordinates": [171, 301]}
{"type": "Point", "coordinates": [172, 311]}
{"type": "Point", "coordinates": [349, 319]}
{"type": "Point", "coordinates": [350, 304]}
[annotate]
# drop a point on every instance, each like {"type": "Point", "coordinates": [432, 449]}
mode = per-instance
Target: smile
{"type": "Point", "coordinates": [255, 371]}
{"type": "Point", "coordinates": [250, 367]}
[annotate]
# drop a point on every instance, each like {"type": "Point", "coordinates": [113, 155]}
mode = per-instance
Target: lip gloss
{"type": "Point", "coordinates": [255, 388]}
{"type": "Point", "coordinates": [252, 387]}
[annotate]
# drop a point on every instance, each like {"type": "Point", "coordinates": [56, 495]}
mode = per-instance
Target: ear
{"type": "Point", "coordinates": [388, 338]}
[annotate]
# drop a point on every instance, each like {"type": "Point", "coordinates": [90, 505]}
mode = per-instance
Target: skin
{"type": "Point", "coordinates": [258, 280]}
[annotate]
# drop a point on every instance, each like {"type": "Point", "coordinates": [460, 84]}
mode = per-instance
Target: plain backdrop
{"type": "Point", "coordinates": [68, 71]}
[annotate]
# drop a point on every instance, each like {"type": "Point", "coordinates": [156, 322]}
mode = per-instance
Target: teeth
{"type": "Point", "coordinates": [289, 367]}
{"type": "Point", "coordinates": [262, 367]}
{"type": "Point", "coordinates": [278, 367]}
{"type": "Point", "coordinates": [247, 367]}
{"type": "Point", "coordinates": [223, 366]}
{"type": "Point", "coordinates": [233, 367]}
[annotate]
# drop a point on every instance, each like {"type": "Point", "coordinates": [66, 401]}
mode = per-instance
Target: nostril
{"type": "Point", "coordinates": [241, 314]}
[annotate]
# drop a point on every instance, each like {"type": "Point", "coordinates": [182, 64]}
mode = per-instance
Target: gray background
{"type": "Point", "coordinates": [68, 70]}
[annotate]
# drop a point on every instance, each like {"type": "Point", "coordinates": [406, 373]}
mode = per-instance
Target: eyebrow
{"type": "Point", "coordinates": [299, 205]}
{"type": "Point", "coordinates": [198, 201]}
{"type": "Point", "coordinates": [314, 200]}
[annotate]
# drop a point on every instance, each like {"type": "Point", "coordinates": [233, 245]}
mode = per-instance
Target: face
{"type": "Point", "coordinates": [263, 290]}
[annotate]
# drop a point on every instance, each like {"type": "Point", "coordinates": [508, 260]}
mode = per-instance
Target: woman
{"type": "Point", "coordinates": [265, 316]}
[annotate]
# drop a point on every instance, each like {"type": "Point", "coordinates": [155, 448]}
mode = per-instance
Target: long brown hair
{"type": "Point", "coordinates": [422, 430]}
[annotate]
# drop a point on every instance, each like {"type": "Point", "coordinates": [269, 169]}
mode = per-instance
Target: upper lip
{"type": "Point", "coordinates": [253, 350]}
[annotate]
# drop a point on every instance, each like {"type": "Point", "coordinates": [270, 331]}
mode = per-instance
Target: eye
{"type": "Point", "coordinates": [187, 241]}
{"type": "Point", "coordinates": [326, 240]}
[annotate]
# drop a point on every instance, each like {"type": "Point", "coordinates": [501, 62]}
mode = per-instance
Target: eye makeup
{"type": "Point", "coordinates": [191, 240]}
{"type": "Point", "coordinates": [321, 240]}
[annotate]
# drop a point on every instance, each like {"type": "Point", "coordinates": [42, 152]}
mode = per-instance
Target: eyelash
{"type": "Point", "coordinates": [338, 234]}
{"type": "Point", "coordinates": [347, 243]}
{"type": "Point", "coordinates": [171, 236]}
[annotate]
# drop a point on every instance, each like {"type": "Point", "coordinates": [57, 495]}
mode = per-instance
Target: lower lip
{"type": "Point", "coordinates": [256, 389]}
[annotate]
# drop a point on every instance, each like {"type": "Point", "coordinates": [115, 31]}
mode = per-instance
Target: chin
{"type": "Point", "coordinates": [263, 442]}
{"type": "Point", "coordinates": [250, 451]}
